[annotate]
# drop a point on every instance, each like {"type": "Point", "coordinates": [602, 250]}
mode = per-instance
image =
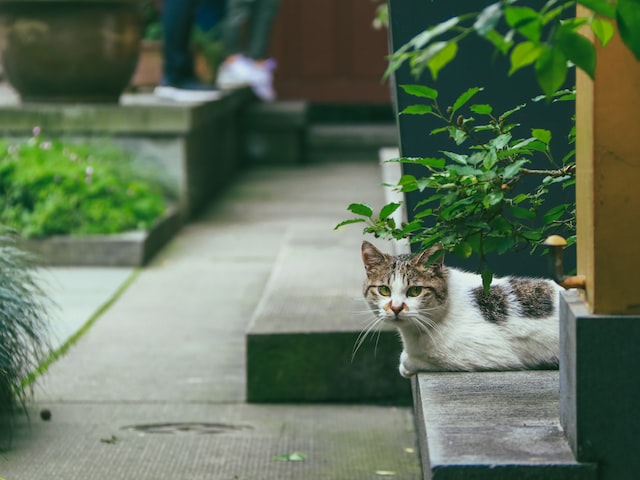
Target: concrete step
{"type": "Point", "coordinates": [300, 345]}
{"type": "Point", "coordinates": [493, 425]}
{"type": "Point", "coordinates": [285, 132]}
{"type": "Point", "coordinates": [349, 141]}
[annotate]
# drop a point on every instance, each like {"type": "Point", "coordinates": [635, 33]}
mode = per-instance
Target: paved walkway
{"type": "Point", "coordinates": [155, 388]}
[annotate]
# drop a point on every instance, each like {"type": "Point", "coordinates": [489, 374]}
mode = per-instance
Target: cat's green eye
{"type": "Point", "coordinates": [384, 291]}
{"type": "Point", "coordinates": [414, 291]}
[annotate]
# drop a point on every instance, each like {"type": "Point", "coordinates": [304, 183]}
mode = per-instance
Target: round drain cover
{"type": "Point", "coordinates": [195, 428]}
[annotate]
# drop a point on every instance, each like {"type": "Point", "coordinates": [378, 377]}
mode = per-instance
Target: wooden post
{"type": "Point", "coordinates": [600, 338]}
{"type": "Point", "coordinates": [608, 180]}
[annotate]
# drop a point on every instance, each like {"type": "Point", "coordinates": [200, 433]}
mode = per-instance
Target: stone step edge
{"type": "Point", "coordinates": [131, 249]}
{"type": "Point", "coordinates": [493, 425]}
{"type": "Point", "coordinates": [300, 346]}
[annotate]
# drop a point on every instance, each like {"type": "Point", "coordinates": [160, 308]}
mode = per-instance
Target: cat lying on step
{"type": "Point", "coordinates": [448, 322]}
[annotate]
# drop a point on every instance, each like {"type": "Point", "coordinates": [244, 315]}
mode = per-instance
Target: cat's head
{"type": "Point", "coordinates": [401, 288]}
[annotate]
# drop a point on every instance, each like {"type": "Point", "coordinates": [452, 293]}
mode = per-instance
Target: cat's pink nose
{"type": "Point", "coordinates": [397, 308]}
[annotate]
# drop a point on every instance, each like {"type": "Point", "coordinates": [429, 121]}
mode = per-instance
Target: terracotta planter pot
{"type": "Point", "coordinates": [148, 72]}
{"type": "Point", "coordinates": [70, 50]}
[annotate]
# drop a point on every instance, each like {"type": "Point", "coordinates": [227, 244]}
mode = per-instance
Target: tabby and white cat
{"type": "Point", "coordinates": [448, 322]}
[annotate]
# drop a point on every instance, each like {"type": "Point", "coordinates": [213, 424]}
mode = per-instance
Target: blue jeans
{"type": "Point", "coordinates": [259, 15]}
{"type": "Point", "coordinates": [178, 18]}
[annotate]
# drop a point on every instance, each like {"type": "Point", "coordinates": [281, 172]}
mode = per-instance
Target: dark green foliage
{"type": "Point", "coordinates": [54, 188]}
{"type": "Point", "coordinates": [546, 37]}
{"type": "Point", "coordinates": [474, 203]}
{"type": "Point", "coordinates": [23, 329]}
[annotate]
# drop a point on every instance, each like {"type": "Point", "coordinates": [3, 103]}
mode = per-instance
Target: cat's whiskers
{"type": "Point", "coordinates": [373, 325]}
{"type": "Point", "coordinates": [424, 323]}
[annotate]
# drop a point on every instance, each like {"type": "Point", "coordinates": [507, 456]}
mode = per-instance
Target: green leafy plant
{"type": "Point", "coordinates": [23, 328]}
{"type": "Point", "coordinates": [546, 38]}
{"type": "Point", "coordinates": [50, 187]}
{"type": "Point", "coordinates": [475, 203]}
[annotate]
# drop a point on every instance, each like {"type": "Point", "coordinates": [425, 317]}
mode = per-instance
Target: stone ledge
{"type": "Point", "coordinates": [301, 338]}
{"type": "Point", "coordinates": [134, 248]}
{"type": "Point", "coordinates": [493, 425]}
{"type": "Point", "coordinates": [135, 114]}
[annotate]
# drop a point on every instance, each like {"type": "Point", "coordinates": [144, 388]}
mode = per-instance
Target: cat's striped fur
{"type": "Point", "coordinates": [448, 322]}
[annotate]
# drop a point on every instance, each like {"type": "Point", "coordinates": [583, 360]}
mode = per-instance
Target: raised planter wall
{"type": "Point", "coordinates": [196, 145]}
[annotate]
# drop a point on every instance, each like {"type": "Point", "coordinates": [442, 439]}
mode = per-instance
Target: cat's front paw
{"type": "Point", "coordinates": [405, 372]}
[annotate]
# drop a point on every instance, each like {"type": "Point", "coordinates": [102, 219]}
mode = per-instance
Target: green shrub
{"type": "Point", "coordinates": [23, 329]}
{"type": "Point", "coordinates": [50, 187]}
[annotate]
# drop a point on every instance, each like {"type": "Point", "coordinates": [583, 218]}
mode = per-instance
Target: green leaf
{"type": "Point", "coordinates": [513, 169]}
{"type": "Point", "coordinates": [551, 70]}
{"type": "Point", "coordinates": [487, 278]}
{"type": "Point", "coordinates": [526, 21]}
{"type": "Point", "coordinates": [488, 19]}
{"type": "Point", "coordinates": [427, 162]}
{"type": "Point", "coordinates": [388, 210]}
{"type": "Point", "coordinates": [492, 199]}
{"type": "Point", "coordinates": [490, 159]}
{"type": "Point", "coordinates": [458, 135]}
{"type": "Point", "coordinates": [541, 134]}
{"type": "Point", "coordinates": [603, 30]}
{"type": "Point", "coordinates": [523, 54]}
{"type": "Point", "coordinates": [291, 457]}
{"type": "Point", "coordinates": [521, 213]}
{"type": "Point", "coordinates": [500, 141]}
{"type": "Point", "coordinates": [420, 59]}
{"type": "Point", "coordinates": [508, 113]}
{"type": "Point", "coordinates": [361, 209]}
{"type": "Point", "coordinates": [603, 7]}
{"type": "Point", "coordinates": [481, 109]}
{"type": "Point", "coordinates": [420, 91]}
{"type": "Point", "coordinates": [577, 49]}
{"type": "Point", "coordinates": [463, 250]}
{"type": "Point", "coordinates": [464, 98]}
{"type": "Point", "coordinates": [425, 37]}
{"type": "Point", "coordinates": [555, 213]}
{"type": "Point", "coordinates": [628, 17]}
{"type": "Point", "coordinates": [418, 109]}
{"type": "Point", "coordinates": [461, 159]}
{"type": "Point", "coordinates": [349, 222]}
{"type": "Point", "coordinates": [502, 244]}
{"type": "Point", "coordinates": [500, 42]}
{"type": "Point", "coordinates": [408, 183]}
{"type": "Point", "coordinates": [442, 58]}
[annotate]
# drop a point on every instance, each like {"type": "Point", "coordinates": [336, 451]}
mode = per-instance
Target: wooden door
{"type": "Point", "coordinates": [328, 52]}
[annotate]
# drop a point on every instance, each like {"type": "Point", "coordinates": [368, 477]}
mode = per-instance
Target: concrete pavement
{"type": "Point", "coordinates": [155, 388]}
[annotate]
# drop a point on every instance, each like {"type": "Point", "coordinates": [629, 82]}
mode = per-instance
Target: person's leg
{"type": "Point", "coordinates": [263, 15]}
{"type": "Point", "coordinates": [235, 23]}
{"type": "Point", "coordinates": [177, 21]}
{"type": "Point", "coordinates": [209, 14]}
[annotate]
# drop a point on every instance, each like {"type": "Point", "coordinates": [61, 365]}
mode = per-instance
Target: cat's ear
{"type": "Point", "coordinates": [371, 256]}
{"type": "Point", "coordinates": [430, 258]}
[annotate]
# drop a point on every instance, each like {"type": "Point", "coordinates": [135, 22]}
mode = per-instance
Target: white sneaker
{"type": "Point", "coordinates": [263, 80]}
{"type": "Point", "coordinates": [236, 72]}
{"type": "Point", "coordinates": [241, 71]}
{"type": "Point", "coordinates": [185, 95]}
